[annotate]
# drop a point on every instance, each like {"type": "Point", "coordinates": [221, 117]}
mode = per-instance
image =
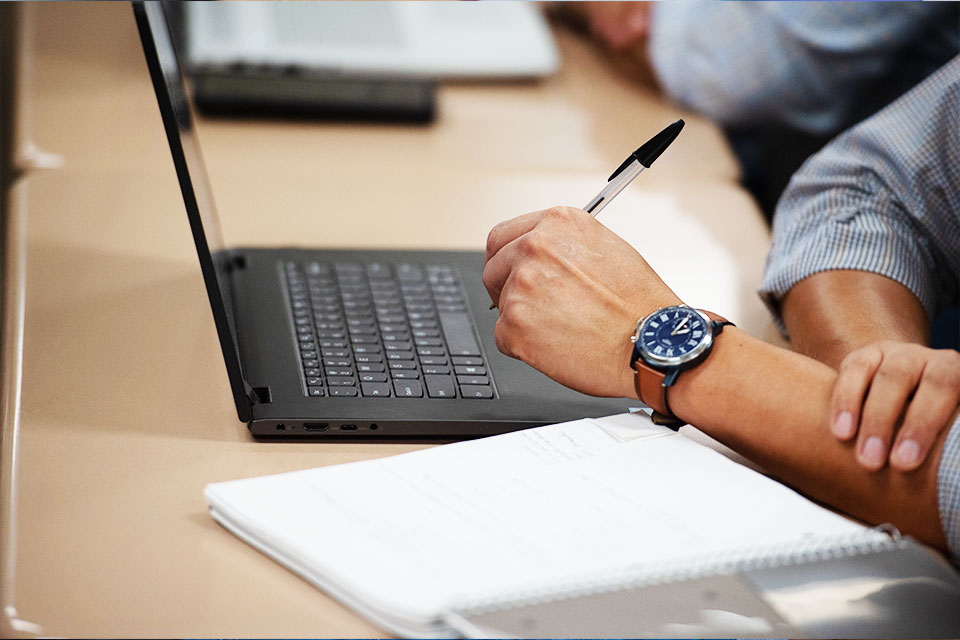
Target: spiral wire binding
{"type": "Point", "coordinates": [884, 538]}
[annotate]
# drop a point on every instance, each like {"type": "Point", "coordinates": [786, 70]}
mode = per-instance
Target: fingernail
{"type": "Point", "coordinates": [873, 452]}
{"type": "Point", "coordinates": [843, 425]}
{"type": "Point", "coordinates": [907, 453]}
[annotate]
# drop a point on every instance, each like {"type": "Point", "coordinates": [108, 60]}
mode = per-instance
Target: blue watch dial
{"type": "Point", "coordinates": [673, 334]}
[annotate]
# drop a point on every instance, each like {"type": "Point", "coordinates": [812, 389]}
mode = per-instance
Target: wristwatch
{"type": "Point", "coordinates": [666, 342]}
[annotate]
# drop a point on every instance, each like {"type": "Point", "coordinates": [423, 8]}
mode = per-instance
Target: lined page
{"type": "Point", "coordinates": [413, 533]}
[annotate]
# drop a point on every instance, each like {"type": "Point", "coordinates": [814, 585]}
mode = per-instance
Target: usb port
{"type": "Point", "coordinates": [348, 427]}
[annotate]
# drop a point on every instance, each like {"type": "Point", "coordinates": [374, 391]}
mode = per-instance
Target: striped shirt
{"type": "Point", "coordinates": [815, 67]}
{"type": "Point", "coordinates": [884, 197]}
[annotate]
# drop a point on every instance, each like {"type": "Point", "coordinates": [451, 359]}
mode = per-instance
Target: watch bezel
{"type": "Point", "coordinates": [668, 362]}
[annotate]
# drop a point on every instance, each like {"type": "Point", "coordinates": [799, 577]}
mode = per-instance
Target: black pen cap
{"type": "Point", "coordinates": [652, 148]}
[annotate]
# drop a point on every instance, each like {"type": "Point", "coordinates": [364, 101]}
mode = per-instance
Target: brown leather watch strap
{"type": "Point", "coordinates": [650, 389]}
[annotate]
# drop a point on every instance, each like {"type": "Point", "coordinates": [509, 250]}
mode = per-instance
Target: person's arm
{"type": "Point", "coordinates": [570, 291]}
{"type": "Point", "coordinates": [832, 313]}
{"type": "Point", "coordinates": [812, 67]}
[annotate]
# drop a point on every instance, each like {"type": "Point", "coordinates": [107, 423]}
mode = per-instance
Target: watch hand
{"type": "Point", "coordinates": [677, 328]}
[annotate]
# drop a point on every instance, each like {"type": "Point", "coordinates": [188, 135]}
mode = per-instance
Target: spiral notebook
{"type": "Point", "coordinates": [605, 527]}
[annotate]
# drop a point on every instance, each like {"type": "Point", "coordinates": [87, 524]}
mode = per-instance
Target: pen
{"type": "Point", "coordinates": [633, 166]}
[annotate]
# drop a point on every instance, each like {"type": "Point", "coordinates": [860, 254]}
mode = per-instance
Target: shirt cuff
{"type": "Point", "coordinates": [948, 491]}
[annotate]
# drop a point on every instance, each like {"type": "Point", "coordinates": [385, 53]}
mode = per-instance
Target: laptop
{"type": "Point", "coordinates": [436, 40]}
{"type": "Point", "coordinates": [350, 343]}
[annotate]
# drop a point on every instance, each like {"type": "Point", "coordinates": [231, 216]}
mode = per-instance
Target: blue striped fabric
{"type": "Point", "coordinates": [885, 197]}
{"type": "Point", "coordinates": [948, 491]}
{"type": "Point", "coordinates": [816, 67]}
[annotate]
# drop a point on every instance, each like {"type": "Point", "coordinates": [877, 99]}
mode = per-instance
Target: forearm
{"type": "Point", "coordinates": [832, 313]}
{"type": "Point", "coordinates": [771, 405]}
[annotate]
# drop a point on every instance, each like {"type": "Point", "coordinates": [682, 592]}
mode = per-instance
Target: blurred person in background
{"type": "Point", "coordinates": [781, 78]}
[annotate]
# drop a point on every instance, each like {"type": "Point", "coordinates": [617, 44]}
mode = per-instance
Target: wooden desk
{"type": "Point", "coordinates": [126, 412]}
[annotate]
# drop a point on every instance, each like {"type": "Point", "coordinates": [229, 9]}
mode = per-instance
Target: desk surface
{"type": "Point", "coordinates": [126, 412]}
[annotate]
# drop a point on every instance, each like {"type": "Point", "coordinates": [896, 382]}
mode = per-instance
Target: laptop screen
{"type": "Point", "coordinates": [176, 112]}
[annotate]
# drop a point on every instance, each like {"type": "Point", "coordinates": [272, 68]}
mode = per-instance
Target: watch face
{"type": "Point", "coordinates": [674, 335]}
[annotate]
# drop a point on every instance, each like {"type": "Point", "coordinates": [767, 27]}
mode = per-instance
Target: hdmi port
{"type": "Point", "coordinates": [315, 426]}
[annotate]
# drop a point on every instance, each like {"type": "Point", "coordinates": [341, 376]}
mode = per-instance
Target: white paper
{"type": "Point", "coordinates": [411, 534]}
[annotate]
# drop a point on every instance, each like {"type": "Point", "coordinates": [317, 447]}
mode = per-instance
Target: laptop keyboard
{"type": "Point", "coordinates": [380, 330]}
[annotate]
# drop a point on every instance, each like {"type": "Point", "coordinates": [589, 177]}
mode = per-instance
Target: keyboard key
{"type": "Point", "coordinates": [315, 392]}
{"type": "Point", "coordinates": [326, 333]}
{"type": "Point", "coordinates": [435, 370]}
{"type": "Point", "coordinates": [423, 324]}
{"type": "Point", "coordinates": [470, 371]}
{"type": "Point", "coordinates": [370, 366]}
{"type": "Point", "coordinates": [367, 348]}
{"type": "Point", "coordinates": [340, 382]}
{"type": "Point", "coordinates": [431, 351]}
{"type": "Point", "coordinates": [398, 336]}
{"type": "Point", "coordinates": [466, 361]}
{"type": "Point", "coordinates": [337, 362]}
{"type": "Point", "coordinates": [309, 355]}
{"type": "Point", "coordinates": [476, 391]}
{"type": "Point", "coordinates": [432, 360]}
{"type": "Point", "coordinates": [407, 389]}
{"type": "Point", "coordinates": [333, 353]}
{"type": "Point", "coordinates": [375, 389]}
{"type": "Point", "coordinates": [349, 372]}
{"type": "Point", "coordinates": [368, 357]}
{"type": "Point", "coordinates": [409, 272]}
{"type": "Point", "coordinates": [426, 333]}
{"type": "Point", "coordinates": [393, 328]}
{"type": "Point", "coordinates": [311, 364]}
{"type": "Point", "coordinates": [333, 344]}
{"type": "Point", "coordinates": [429, 342]}
{"type": "Point", "coordinates": [373, 377]}
{"type": "Point", "coordinates": [402, 364]}
{"type": "Point", "coordinates": [439, 386]}
{"type": "Point", "coordinates": [362, 339]}
{"type": "Point", "coordinates": [404, 374]}
{"type": "Point", "coordinates": [314, 381]}
{"type": "Point", "coordinates": [468, 379]}
{"type": "Point", "coordinates": [458, 330]}
{"type": "Point", "coordinates": [398, 346]}
{"type": "Point", "coordinates": [400, 355]}
{"type": "Point", "coordinates": [311, 373]}
{"type": "Point", "coordinates": [343, 391]}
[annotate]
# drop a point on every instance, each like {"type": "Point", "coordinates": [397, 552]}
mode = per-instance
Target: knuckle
{"type": "Point", "coordinates": [863, 358]}
{"type": "Point", "coordinates": [493, 240]}
{"type": "Point", "coordinates": [896, 370]}
{"type": "Point", "coordinates": [530, 244]}
{"type": "Point", "coordinates": [525, 278]}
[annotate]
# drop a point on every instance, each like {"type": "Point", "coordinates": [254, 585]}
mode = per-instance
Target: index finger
{"type": "Point", "coordinates": [508, 231]}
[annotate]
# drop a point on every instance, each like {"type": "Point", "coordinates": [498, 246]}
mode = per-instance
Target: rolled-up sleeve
{"type": "Point", "coordinates": [883, 197]}
{"type": "Point", "coordinates": [807, 65]}
{"type": "Point", "coordinates": [948, 491]}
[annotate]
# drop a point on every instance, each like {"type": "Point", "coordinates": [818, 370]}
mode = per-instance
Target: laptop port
{"type": "Point", "coordinates": [281, 427]}
{"type": "Point", "coordinates": [373, 426]}
{"type": "Point", "coordinates": [316, 426]}
{"type": "Point", "coordinates": [348, 427]}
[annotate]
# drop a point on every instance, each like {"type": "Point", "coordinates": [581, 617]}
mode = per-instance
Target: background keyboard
{"type": "Point", "coordinates": [380, 330]}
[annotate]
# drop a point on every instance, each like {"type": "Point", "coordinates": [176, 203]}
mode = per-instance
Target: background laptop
{"type": "Point", "coordinates": [325, 343]}
{"type": "Point", "coordinates": [439, 40]}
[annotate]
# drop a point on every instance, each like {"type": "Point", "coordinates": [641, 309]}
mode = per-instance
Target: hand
{"type": "Point", "coordinates": [619, 25]}
{"type": "Point", "coordinates": [883, 382]}
{"type": "Point", "coordinates": [570, 292]}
